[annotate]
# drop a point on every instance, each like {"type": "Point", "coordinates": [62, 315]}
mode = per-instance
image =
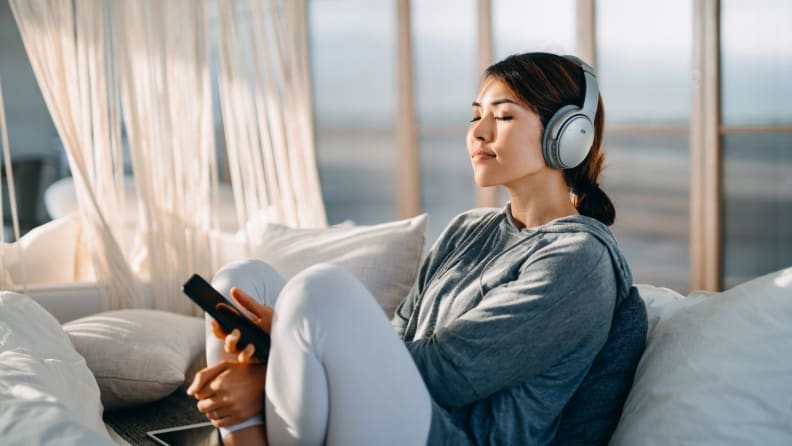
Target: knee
{"type": "Point", "coordinates": [255, 277]}
{"type": "Point", "coordinates": [243, 270]}
{"type": "Point", "coordinates": [322, 289]}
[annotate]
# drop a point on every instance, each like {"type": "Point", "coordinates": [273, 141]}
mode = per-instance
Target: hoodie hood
{"type": "Point", "coordinates": [581, 223]}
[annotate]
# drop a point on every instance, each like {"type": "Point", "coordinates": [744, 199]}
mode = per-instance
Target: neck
{"type": "Point", "coordinates": [536, 201]}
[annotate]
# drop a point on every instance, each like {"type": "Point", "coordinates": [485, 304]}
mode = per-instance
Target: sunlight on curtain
{"type": "Point", "coordinates": [266, 105]}
{"type": "Point", "coordinates": [67, 46]}
{"type": "Point", "coordinates": [166, 91]}
{"type": "Point", "coordinates": [152, 59]}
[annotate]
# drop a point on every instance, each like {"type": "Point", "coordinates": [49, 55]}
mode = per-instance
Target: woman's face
{"type": "Point", "coordinates": [504, 139]}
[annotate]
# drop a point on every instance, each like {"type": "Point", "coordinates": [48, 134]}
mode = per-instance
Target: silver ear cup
{"type": "Point", "coordinates": [552, 131]}
{"type": "Point", "coordinates": [574, 141]}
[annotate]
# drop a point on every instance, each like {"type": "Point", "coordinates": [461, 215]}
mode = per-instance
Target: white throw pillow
{"type": "Point", "coordinates": [384, 257]}
{"type": "Point", "coordinates": [137, 356]}
{"type": "Point", "coordinates": [717, 371]}
{"type": "Point", "coordinates": [47, 394]}
{"type": "Point", "coordinates": [46, 254]}
{"type": "Point", "coordinates": [661, 303]}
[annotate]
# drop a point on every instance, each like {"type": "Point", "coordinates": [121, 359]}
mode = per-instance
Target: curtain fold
{"type": "Point", "coordinates": [134, 79]}
{"type": "Point", "coordinates": [63, 42]}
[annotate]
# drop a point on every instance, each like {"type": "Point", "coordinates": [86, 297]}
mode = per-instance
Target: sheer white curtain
{"type": "Point", "coordinates": [266, 104]}
{"type": "Point", "coordinates": [5, 280]}
{"type": "Point", "coordinates": [162, 56]}
{"type": "Point", "coordinates": [66, 43]}
{"type": "Point", "coordinates": [151, 59]}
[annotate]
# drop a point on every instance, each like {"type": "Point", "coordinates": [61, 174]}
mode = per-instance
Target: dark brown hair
{"type": "Point", "coordinates": [548, 82]}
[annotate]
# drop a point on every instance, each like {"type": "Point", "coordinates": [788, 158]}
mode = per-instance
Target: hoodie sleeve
{"type": "Point", "coordinates": [458, 229]}
{"type": "Point", "coordinates": [553, 319]}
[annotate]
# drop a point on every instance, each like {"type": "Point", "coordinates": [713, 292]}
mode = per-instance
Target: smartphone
{"type": "Point", "coordinates": [229, 317]}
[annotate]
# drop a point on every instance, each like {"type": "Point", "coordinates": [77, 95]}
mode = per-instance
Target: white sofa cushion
{"type": "Point", "coordinates": [46, 254]}
{"type": "Point", "coordinates": [47, 393]}
{"type": "Point", "coordinates": [137, 356]}
{"type": "Point", "coordinates": [717, 371]}
{"type": "Point", "coordinates": [384, 257]}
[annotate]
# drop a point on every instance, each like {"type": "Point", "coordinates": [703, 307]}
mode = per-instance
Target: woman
{"type": "Point", "coordinates": [517, 320]}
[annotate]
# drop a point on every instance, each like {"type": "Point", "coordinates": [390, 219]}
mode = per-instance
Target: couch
{"type": "Point", "coordinates": [717, 369]}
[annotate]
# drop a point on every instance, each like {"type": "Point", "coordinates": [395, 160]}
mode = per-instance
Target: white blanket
{"type": "Point", "coordinates": [48, 396]}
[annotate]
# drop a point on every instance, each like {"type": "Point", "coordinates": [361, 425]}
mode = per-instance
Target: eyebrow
{"type": "Point", "coordinates": [496, 102]}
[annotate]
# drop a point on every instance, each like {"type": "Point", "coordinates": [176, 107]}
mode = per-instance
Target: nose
{"type": "Point", "coordinates": [482, 129]}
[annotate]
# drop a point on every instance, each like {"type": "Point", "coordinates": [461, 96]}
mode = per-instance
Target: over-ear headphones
{"type": "Point", "coordinates": [569, 133]}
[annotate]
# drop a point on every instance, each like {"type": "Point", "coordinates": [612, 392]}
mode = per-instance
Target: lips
{"type": "Point", "coordinates": [481, 155]}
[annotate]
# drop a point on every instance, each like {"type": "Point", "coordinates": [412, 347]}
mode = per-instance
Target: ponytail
{"type": "Point", "coordinates": [590, 200]}
{"type": "Point", "coordinates": [593, 202]}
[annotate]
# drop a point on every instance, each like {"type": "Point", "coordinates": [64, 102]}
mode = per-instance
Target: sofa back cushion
{"type": "Point", "coordinates": [718, 370]}
{"type": "Point", "coordinates": [384, 257]}
{"type": "Point", "coordinates": [591, 414]}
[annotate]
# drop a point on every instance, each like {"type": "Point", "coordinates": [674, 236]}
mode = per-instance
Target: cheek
{"type": "Point", "coordinates": [526, 151]}
{"type": "Point", "coordinates": [469, 137]}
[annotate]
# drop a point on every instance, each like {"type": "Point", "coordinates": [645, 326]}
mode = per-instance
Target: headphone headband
{"type": "Point", "coordinates": [569, 133]}
{"type": "Point", "coordinates": [591, 100]}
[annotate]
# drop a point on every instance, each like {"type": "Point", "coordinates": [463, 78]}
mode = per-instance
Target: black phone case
{"type": "Point", "coordinates": [210, 300]}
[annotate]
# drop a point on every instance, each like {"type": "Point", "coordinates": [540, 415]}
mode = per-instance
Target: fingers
{"type": "Point", "coordinates": [218, 330]}
{"type": "Point", "coordinates": [223, 414]}
{"type": "Point", "coordinates": [247, 301]}
{"type": "Point", "coordinates": [262, 312]}
{"type": "Point", "coordinates": [198, 387]}
{"type": "Point", "coordinates": [234, 395]}
{"type": "Point", "coordinates": [211, 407]}
{"type": "Point", "coordinates": [246, 355]}
{"type": "Point", "coordinates": [230, 344]}
{"type": "Point", "coordinates": [221, 411]}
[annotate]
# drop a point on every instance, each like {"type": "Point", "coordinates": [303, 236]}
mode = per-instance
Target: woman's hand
{"type": "Point", "coordinates": [229, 392]}
{"type": "Point", "coordinates": [259, 314]}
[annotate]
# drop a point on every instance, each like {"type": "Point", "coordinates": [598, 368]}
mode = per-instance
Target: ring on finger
{"type": "Point", "coordinates": [214, 414]}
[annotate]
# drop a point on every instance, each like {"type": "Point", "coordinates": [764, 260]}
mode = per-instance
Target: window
{"type": "Point", "coordinates": [445, 67]}
{"type": "Point", "coordinates": [645, 84]}
{"type": "Point", "coordinates": [644, 54]}
{"type": "Point", "coordinates": [521, 26]}
{"type": "Point", "coordinates": [353, 65]}
{"type": "Point", "coordinates": [756, 137]}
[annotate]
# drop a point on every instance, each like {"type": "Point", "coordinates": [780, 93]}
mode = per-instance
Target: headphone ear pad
{"type": "Point", "coordinates": [550, 145]}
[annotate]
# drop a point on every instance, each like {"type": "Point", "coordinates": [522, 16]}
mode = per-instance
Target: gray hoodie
{"type": "Point", "coordinates": [504, 323]}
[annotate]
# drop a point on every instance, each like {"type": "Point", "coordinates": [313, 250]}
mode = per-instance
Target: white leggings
{"type": "Point", "coordinates": [338, 374]}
